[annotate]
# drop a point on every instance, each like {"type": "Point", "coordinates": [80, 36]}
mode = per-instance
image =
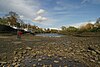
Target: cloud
{"type": "Point", "coordinates": [41, 11]}
{"type": "Point", "coordinates": [22, 7]}
{"type": "Point", "coordinates": [62, 5]}
{"type": "Point", "coordinates": [40, 19]}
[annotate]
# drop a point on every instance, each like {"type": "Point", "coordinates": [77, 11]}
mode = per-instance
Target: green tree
{"type": "Point", "coordinates": [72, 29]}
{"type": "Point", "coordinates": [3, 21]}
{"type": "Point", "coordinates": [12, 18]}
{"type": "Point", "coordinates": [97, 24]}
{"type": "Point", "coordinates": [63, 28]}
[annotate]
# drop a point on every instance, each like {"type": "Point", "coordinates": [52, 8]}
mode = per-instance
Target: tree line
{"type": "Point", "coordinates": [13, 19]}
{"type": "Point", "coordinates": [89, 27]}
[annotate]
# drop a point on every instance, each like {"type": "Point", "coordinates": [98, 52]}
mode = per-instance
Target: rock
{"type": "Point", "coordinates": [34, 54]}
{"type": "Point", "coordinates": [34, 65]}
{"type": "Point", "coordinates": [59, 66]}
{"type": "Point", "coordinates": [61, 58]}
{"type": "Point", "coordinates": [50, 65]}
{"type": "Point", "coordinates": [18, 65]}
{"type": "Point", "coordinates": [39, 59]}
{"type": "Point", "coordinates": [44, 66]}
{"type": "Point", "coordinates": [97, 51]}
{"type": "Point", "coordinates": [20, 54]}
{"type": "Point", "coordinates": [65, 50]}
{"type": "Point", "coordinates": [15, 52]}
{"type": "Point", "coordinates": [30, 61]}
{"type": "Point", "coordinates": [49, 55]}
{"type": "Point", "coordinates": [98, 62]}
{"type": "Point", "coordinates": [14, 64]}
{"type": "Point", "coordinates": [93, 53]}
{"type": "Point", "coordinates": [65, 66]}
{"type": "Point", "coordinates": [15, 59]}
{"type": "Point", "coordinates": [65, 57]}
{"type": "Point", "coordinates": [27, 54]}
{"type": "Point", "coordinates": [55, 61]}
{"type": "Point", "coordinates": [5, 57]}
{"type": "Point", "coordinates": [85, 55]}
{"type": "Point", "coordinates": [2, 63]}
{"type": "Point", "coordinates": [19, 60]}
{"type": "Point", "coordinates": [20, 48]}
{"type": "Point", "coordinates": [92, 60]}
{"type": "Point", "coordinates": [24, 52]}
{"type": "Point", "coordinates": [28, 48]}
{"type": "Point", "coordinates": [96, 58]}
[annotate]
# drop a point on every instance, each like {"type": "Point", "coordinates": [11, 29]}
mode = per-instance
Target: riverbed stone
{"type": "Point", "coordinates": [15, 59]}
{"type": "Point", "coordinates": [39, 59]}
{"type": "Point", "coordinates": [15, 52]}
{"type": "Point", "coordinates": [55, 61]}
{"type": "Point", "coordinates": [14, 64]}
{"type": "Point", "coordinates": [34, 65]}
{"type": "Point", "coordinates": [93, 53]}
{"type": "Point", "coordinates": [18, 65]}
{"type": "Point", "coordinates": [24, 52]}
{"type": "Point", "coordinates": [28, 48]}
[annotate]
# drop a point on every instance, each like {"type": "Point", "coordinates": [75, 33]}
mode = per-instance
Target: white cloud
{"type": "Point", "coordinates": [23, 7]}
{"type": "Point", "coordinates": [40, 19]}
{"type": "Point", "coordinates": [41, 11]}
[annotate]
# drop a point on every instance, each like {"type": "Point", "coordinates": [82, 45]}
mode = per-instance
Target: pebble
{"type": "Point", "coordinates": [49, 55]}
{"type": "Point", "coordinates": [28, 48]}
{"type": "Point", "coordinates": [50, 65]}
{"type": "Point", "coordinates": [98, 62]}
{"type": "Point", "coordinates": [39, 59]}
{"type": "Point", "coordinates": [15, 59]}
{"type": "Point", "coordinates": [92, 60]}
{"type": "Point", "coordinates": [15, 52]}
{"type": "Point", "coordinates": [24, 52]}
{"type": "Point", "coordinates": [55, 61]}
{"type": "Point", "coordinates": [18, 65]}
{"type": "Point", "coordinates": [65, 66]}
{"type": "Point", "coordinates": [34, 65]}
{"type": "Point", "coordinates": [14, 64]}
{"type": "Point", "coordinates": [93, 53]}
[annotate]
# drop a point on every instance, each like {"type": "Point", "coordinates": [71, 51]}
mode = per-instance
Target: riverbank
{"type": "Point", "coordinates": [66, 51]}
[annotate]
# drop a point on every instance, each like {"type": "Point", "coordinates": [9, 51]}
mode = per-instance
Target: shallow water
{"type": "Point", "coordinates": [50, 35]}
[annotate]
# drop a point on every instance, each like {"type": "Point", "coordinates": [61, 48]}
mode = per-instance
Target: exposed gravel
{"type": "Point", "coordinates": [68, 51]}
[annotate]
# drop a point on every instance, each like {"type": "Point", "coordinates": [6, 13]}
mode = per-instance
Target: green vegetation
{"type": "Point", "coordinates": [89, 27]}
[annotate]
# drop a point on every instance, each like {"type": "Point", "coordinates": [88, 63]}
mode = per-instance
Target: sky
{"type": "Point", "coordinates": [53, 13]}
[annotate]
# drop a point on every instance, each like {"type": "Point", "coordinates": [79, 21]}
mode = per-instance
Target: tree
{"type": "Point", "coordinates": [63, 28]}
{"type": "Point", "coordinates": [54, 31]}
{"type": "Point", "coordinates": [97, 24]}
{"type": "Point", "coordinates": [12, 18]}
{"type": "Point", "coordinates": [3, 21]}
{"type": "Point", "coordinates": [72, 29]}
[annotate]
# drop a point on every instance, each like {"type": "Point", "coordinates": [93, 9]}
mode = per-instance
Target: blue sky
{"type": "Point", "coordinates": [53, 13]}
